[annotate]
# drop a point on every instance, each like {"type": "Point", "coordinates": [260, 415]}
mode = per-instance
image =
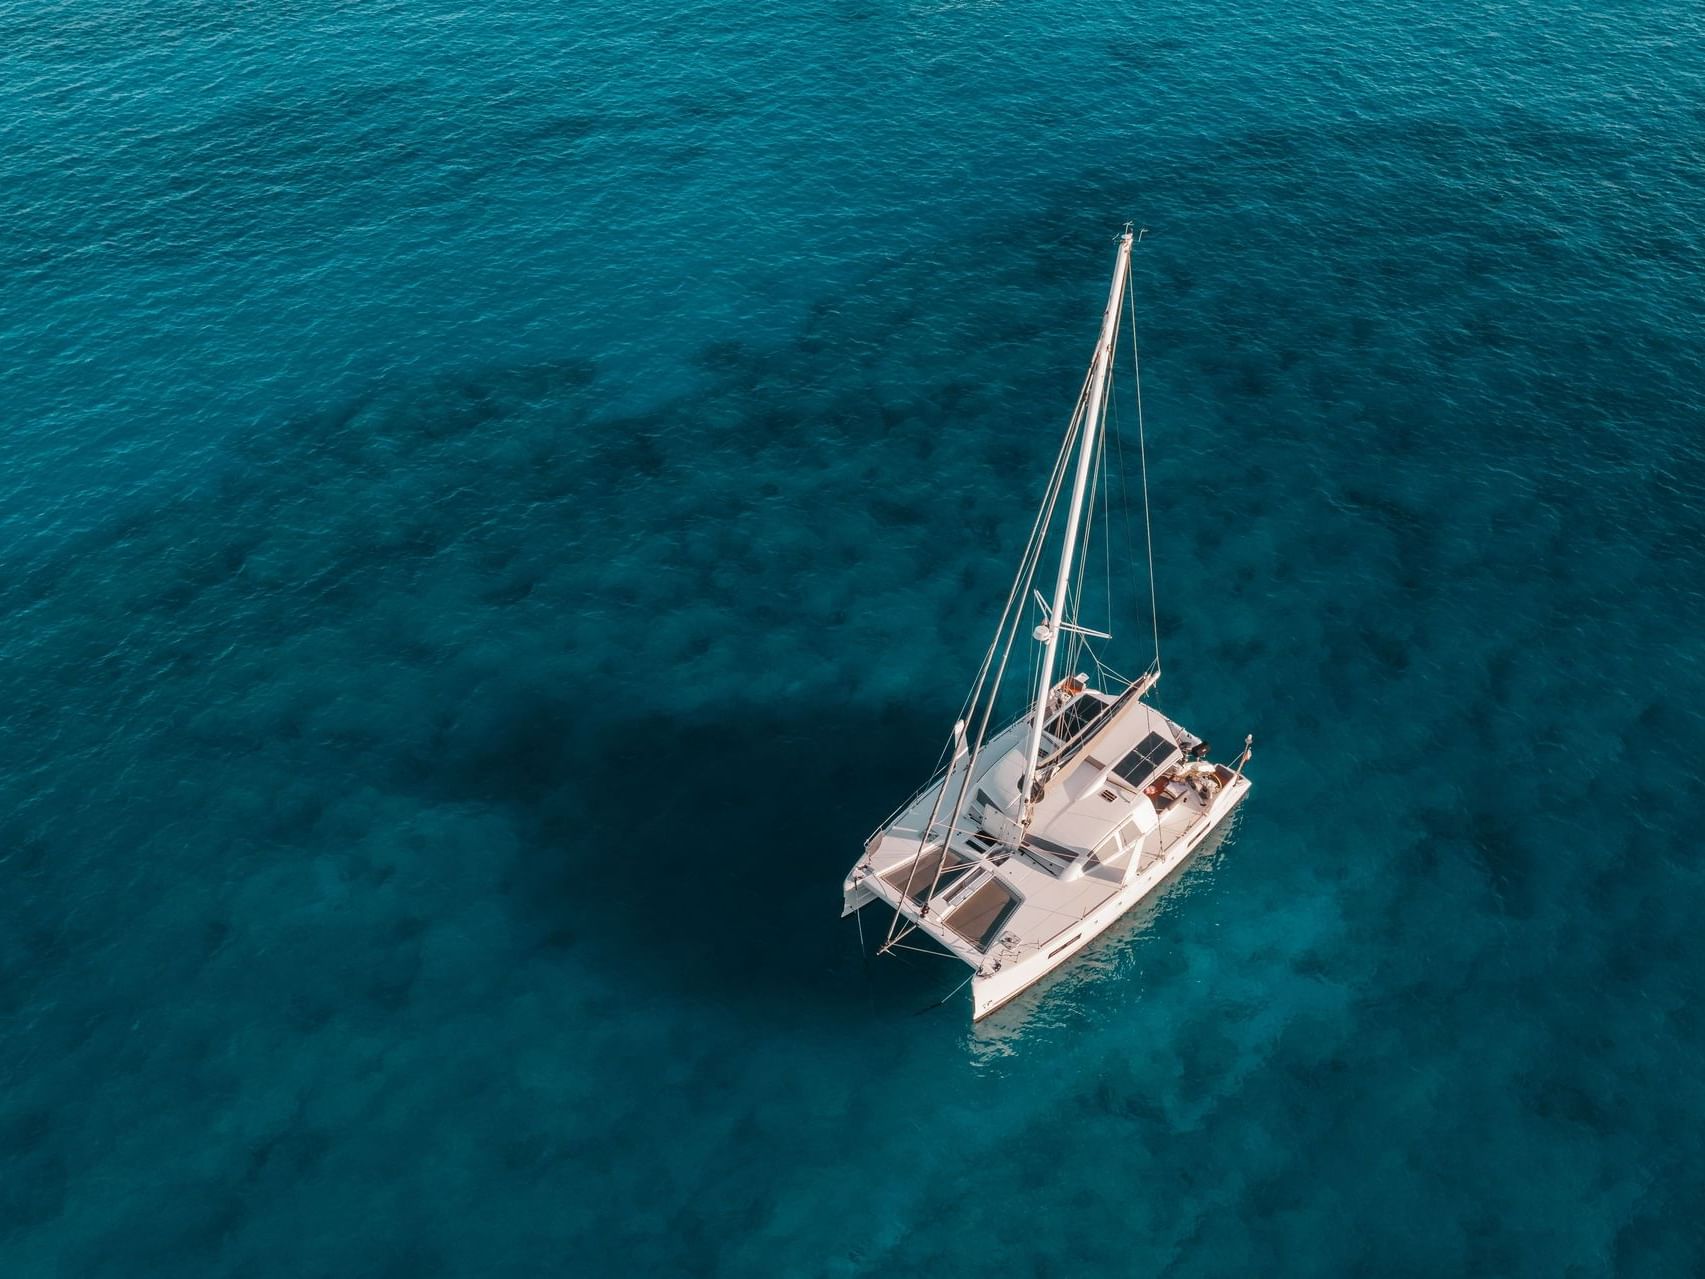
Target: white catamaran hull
{"type": "Point", "coordinates": [995, 989]}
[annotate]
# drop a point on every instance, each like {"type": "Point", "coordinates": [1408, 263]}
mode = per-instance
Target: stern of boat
{"type": "Point", "coordinates": [855, 894]}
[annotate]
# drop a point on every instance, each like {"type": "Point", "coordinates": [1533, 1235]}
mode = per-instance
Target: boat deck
{"type": "Point", "coordinates": [986, 885]}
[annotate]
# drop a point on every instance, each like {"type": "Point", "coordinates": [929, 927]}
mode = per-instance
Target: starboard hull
{"type": "Point", "coordinates": [994, 990]}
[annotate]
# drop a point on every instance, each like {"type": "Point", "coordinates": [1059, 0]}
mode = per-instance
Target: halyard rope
{"type": "Point", "coordinates": [1142, 451]}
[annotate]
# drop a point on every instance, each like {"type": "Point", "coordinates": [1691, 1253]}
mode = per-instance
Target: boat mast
{"type": "Point", "coordinates": [1049, 631]}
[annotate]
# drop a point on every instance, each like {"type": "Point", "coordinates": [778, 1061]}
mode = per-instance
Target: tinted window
{"type": "Point", "coordinates": [1146, 760]}
{"type": "Point", "coordinates": [1078, 717]}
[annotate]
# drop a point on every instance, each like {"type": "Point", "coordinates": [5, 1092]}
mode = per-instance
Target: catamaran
{"type": "Point", "coordinates": [1031, 841]}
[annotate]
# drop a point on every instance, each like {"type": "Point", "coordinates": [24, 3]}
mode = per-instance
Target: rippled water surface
{"type": "Point", "coordinates": [496, 501]}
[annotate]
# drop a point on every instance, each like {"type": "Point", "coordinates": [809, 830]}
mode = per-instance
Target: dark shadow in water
{"type": "Point", "coordinates": [705, 858]}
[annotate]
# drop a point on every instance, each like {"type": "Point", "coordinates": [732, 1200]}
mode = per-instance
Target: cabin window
{"type": "Point", "coordinates": [1106, 851]}
{"type": "Point", "coordinates": [1037, 844]}
{"type": "Point", "coordinates": [1147, 759]}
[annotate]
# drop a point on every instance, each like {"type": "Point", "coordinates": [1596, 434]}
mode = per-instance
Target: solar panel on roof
{"type": "Point", "coordinates": [1146, 759]}
{"type": "Point", "coordinates": [1078, 717]}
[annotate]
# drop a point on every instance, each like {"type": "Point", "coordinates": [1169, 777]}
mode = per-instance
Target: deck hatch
{"type": "Point", "coordinates": [981, 916]}
{"type": "Point", "coordinates": [924, 877]}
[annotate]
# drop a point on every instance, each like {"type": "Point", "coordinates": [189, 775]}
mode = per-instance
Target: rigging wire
{"type": "Point", "coordinates": [1124, 490]}
{"type": "Point", "coordinates": [1027, 566]}
{"type": "Point", "coordinates": [1021, 586]}
{"type": "Point", "coordinates": [1011, 621]}
{"type": "Point", "coordinates": [949, 995]}
{"type": "Point", "coordinates": [1106, 534]}
{"type": "Point", "coordinates": [898, 927]}
{"type": "Point", "coordinates": [1079, 643]}
{"type": "Point", "coordinates": [1143, 454]}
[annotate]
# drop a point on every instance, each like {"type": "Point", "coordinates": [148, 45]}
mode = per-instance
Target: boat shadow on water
{"type": "Point", "coordinates": [703, 858]}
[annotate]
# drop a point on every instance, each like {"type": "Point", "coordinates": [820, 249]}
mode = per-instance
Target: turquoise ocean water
{"type": "Point", "coordinates": [497, 501]}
